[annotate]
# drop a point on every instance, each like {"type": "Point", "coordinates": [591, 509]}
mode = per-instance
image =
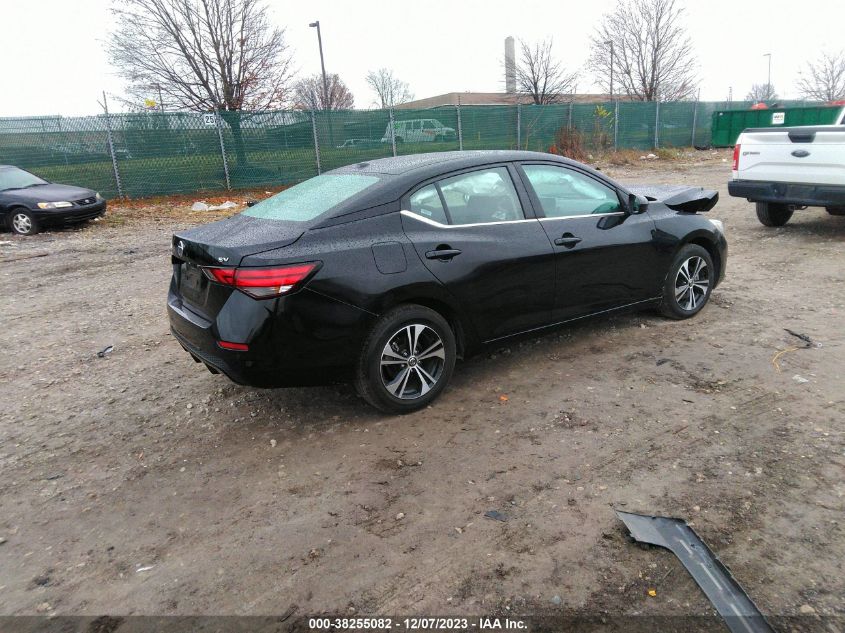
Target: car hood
{"type": "Point", "coordinates": [50, 192]}
{"type": "Point", "coordinates": [227, 242]}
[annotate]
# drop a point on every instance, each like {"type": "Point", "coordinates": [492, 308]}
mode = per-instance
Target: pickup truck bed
{"type": "Point", "coordinates": [782, 169]}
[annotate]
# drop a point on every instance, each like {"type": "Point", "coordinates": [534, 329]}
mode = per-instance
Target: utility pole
{"type": "Point", "coordinates": [322, 65]}
{"type": "Point", "coordinates": [611, 67]}
{"type": "Point", "coordinates": [769, 80]}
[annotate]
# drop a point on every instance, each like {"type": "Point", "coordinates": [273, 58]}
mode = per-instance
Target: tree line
{"type": "Point", "coordinates": [226, 55]}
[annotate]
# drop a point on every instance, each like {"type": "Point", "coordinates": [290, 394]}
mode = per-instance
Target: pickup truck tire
{"type": "Point", "coordinates": [771, 214]}
{"type": "Point", "coordinates": [689, 283]}
{"type": "Point", "coordinates": [836, 210]}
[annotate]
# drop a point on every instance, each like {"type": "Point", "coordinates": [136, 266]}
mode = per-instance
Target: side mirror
{"type": "Point", "coordinates": [251, 203]}
{"type": "Point", "coordinates": [636, 204]}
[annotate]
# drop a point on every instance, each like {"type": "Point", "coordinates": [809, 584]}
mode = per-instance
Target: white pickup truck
{"type": "Point", "coordinates": [784, 169]}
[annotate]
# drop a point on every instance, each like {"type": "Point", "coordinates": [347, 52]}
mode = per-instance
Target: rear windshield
{"type": "Point", "coordinates": [311, 198]}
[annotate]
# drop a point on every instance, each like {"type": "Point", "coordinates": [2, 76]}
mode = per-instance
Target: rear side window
{"type": "Point", "coordinates": [565, 193]}
{"type": "Point", "coordinates": [426, 202]}
{"type": "Point", "coordinates": [311, 198]}
{"type": "Point", "coordinates": [480, 197]}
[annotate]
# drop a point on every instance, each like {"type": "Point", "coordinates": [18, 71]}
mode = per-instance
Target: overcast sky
{"type": "Point", "coordinates": [54, 60]}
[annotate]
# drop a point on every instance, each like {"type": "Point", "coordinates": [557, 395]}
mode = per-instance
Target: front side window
{"type": "Point", "coordinates": [564, 192]}
{"type": "Point", "coordinates": [481, 197]}
{"type": "Point", "coordinates": [311, 198]}
{"type": "Point", "coordinates": [426, 203]}
{"type": "Point", "coordinates": [14, 178]}
{"type": "Point", "coordinates": [429, 125]}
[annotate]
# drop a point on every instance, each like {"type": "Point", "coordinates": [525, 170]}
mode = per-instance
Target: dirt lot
{"type": "Point", "coordinates": [139, 483]}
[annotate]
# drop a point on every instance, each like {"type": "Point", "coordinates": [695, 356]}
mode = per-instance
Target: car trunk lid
{"type": "Point", "coordinates": [222, 244]}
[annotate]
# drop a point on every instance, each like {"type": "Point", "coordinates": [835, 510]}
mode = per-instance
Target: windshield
{"type": "Point", "coordinates": [311, 198]}
{"type": "Point", "coordinates": [14, 178]}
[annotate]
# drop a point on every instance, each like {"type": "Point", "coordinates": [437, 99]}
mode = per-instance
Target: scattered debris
{"type": "Point", "coordinates": [556, 600]}
{"type": "Point", "coordinates": [662, 361]}
{"type": "Point", "coordinates": [799, 379]}
{"type": "Point", "coordinates": [108, 349]}
{"type": "Point", "coordinates": [503, 398]}
{"type": "Point", "coordinates": [733, 604]}
{"type": "Point", "coordinates": [147, 568]}
{"type": "Point", "coordinates": [2, 540]}
{"type": "Point", "coordinates": [273, 443]}
{"type": "Point", "coordinates": [806, 609]}
{"type": "Point", "coordinates": [400, 516]}
{"type": "Point", "coordinates": [803, 337]}
{"type": "Point", "coordinates": [496, 515]}
{"type": "Point", "coordinates": [203, 206]}
{"type": "Point", "coordinates": [652, 592]}
{"type": "Point", "coordinates": [808, 343]}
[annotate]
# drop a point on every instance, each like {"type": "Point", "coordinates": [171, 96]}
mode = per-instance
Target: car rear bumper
{"type": "Point", "coordinates": [304, 339]}
{"type": "Point", "coordinates": [788, 193]}
{"type": "Point", "coordinates": [70, 216]}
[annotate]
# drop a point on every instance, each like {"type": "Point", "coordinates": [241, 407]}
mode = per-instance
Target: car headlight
{"type": "Point", "coordinates": [98, 196]}
{"type": "Point", "coordinates": [720, 226]}
{"type": "Point", "coordinates": [55, 205]}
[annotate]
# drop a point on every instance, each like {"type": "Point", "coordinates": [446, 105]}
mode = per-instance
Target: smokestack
{"type": "Point", "coordinates": [510, 66]}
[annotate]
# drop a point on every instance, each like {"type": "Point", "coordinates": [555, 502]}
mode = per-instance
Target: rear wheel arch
{"type": "Point", "coordinates": [463, 335]}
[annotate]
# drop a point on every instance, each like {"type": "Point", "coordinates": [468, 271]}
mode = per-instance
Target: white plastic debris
{"type": "Point", "coordinates": [799, 379]}
{"type": "Point", "coordinates": [147, 568]}
{"type": "Point", "coordinates": [651, 156]}
{"type": "Point", "coordinates": [203, 206]}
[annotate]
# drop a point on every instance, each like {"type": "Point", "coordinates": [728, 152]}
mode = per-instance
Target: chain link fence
{"type": "Point", "coordinates": [150, 153]}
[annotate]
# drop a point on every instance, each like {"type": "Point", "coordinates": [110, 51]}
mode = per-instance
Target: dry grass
{"type": "Point", "coordinates": [178, 207]}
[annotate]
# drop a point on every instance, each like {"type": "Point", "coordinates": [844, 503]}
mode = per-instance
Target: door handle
{"type": "Point", "coordinates": [567, 240]}
{"type": "Point", "coordinates": [443, 254]}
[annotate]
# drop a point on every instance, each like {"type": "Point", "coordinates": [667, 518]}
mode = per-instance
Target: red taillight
{"type": "Point", "coordinates": [263, 283]}
{"type": "Point", "coordinates": [736, 158]}
{"type": "Point", "coordinates": [237, 347]}
{"type": "Point", "coordinates": [222, 275]}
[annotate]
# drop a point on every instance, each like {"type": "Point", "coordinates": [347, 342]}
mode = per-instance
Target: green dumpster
{"type": "Point", "coordinates": [728, 124]}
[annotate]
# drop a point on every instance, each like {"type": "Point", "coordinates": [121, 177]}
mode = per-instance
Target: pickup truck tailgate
{"type": "Point", "coordinates": [796, 155]}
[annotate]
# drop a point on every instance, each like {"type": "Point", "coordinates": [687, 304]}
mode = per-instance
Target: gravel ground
{"type": "Point", "coordinates": [139, 483]}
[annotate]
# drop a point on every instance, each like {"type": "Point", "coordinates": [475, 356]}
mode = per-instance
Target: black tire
{"type": "Point", "coordinates": [835, 210]}
{"type": "Point", "coordinates": [380, 366]}
{"type": "Point", "coordinates": [22, 222]}
{"type": "Point", "coordinates": [677, 303]}
{"type": "Point", "coordinates": [771, 214]}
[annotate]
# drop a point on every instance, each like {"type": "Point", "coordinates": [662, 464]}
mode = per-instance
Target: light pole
{"type": "Point", "coordinates": [322, 65]}
{"type": "Point", "coordinates": [611, 67]}
{"type": "Point", "coordinates": [769, 80]}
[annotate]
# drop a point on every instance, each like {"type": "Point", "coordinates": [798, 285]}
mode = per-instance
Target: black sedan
{"type": "Point", "coordinates": [28, 202]}
{"type": "Point", "coordinates": [386, 272]}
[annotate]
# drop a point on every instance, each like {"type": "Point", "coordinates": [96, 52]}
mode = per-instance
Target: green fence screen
{"type": "Point", "coordinates": [149, 153]}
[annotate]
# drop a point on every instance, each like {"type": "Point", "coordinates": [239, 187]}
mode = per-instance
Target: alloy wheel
{"type": "Point", "coordinates": [412, 361]}
{"type": "Point", "coordinates": [22, 223]}
{"type": "Point", "coordinates": [692, 283]}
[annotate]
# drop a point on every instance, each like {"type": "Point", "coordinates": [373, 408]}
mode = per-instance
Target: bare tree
{"type": "Point", "coordinates": [539, 75]}
{"type": "Point", "coordinates": [652, 54]}
{"type": "Point", "coordinates": [203, 55]}
{"type": "Point", "coordinates": [824, 79]}
{"type": "Point", "coordinates": [309, 94]}
{"type": "Point", "coordinates": [390, 90]}
{"type": "Point", "coordinates": [761, 92]}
